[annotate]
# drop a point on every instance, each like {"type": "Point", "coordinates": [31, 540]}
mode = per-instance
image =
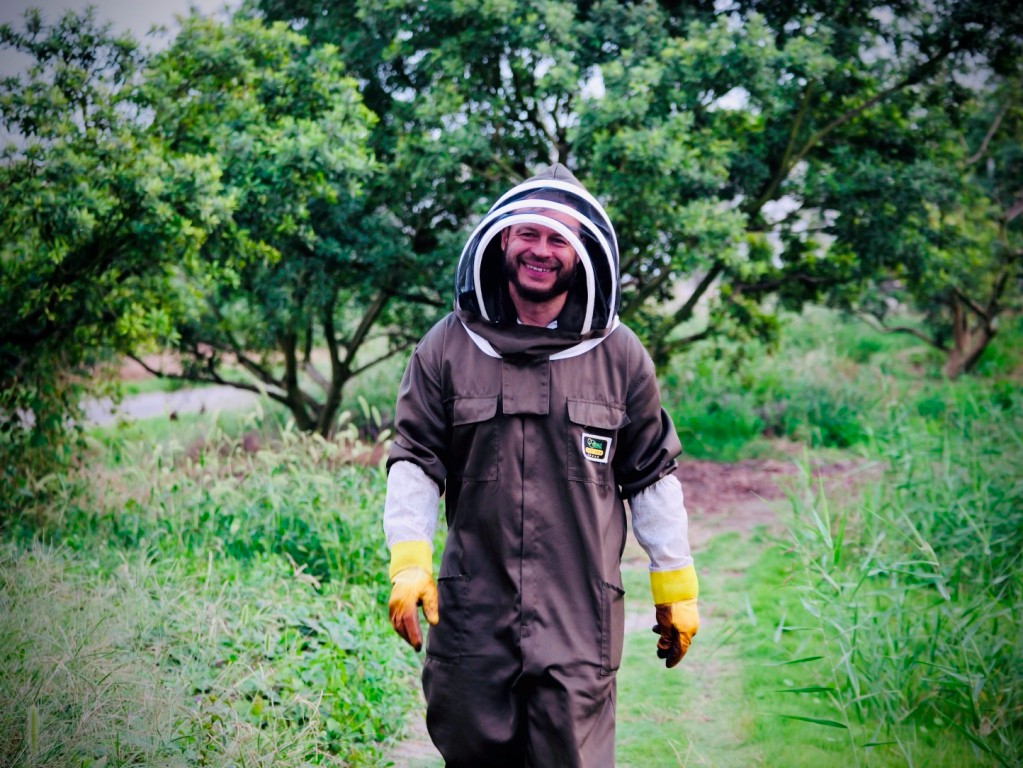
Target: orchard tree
{"type": "Point", "coordinates": [95, 215]}
{"type": "Point", "coordinates": [939, 230]}
{"type": "Point", "coordinates": [760, 98]}
{"type": "Point", "coordinates": [698, 123]}
{"type": "Point", "coordinates": [304, 260]}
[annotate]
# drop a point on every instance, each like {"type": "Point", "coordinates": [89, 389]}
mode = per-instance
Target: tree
{"type": "Point", "coordinates": [697, 122]}
{"type": "Point", "coordinates": [94, 217]}
{"type": "Point", "coordinates": [942, 225]}
{"type": "Point", "coordinates": [303, 260]}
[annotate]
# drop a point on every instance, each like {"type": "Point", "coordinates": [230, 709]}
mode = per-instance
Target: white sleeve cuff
{"type": "Point", "coordinates": [411, 504]}
{"type": "Point", "coordinates": [661, 525]}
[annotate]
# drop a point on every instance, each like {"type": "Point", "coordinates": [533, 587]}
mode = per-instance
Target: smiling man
{"type": "Point", "coordinates": [536, 413]}
{"type": "Point", "coordinates": [540, 266]}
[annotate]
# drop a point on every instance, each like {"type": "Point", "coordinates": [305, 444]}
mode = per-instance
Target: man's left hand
{"type": "Point", "coordinates": [676, 624]}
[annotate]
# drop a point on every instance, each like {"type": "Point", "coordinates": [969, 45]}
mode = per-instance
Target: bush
{"type": "Point", "coordinates": [807, 391]}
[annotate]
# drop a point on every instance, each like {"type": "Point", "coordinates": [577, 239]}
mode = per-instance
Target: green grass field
{"type": "Point", "coordinates": [200, 593]}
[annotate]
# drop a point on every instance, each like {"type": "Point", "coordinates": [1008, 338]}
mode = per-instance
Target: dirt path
{"type": "Point", "coordinates": [720, 498]}
{"type": "Point", "coordinates": [168, 404]}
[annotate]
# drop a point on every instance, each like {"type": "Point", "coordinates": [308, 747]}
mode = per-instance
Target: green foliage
{"type": "Point", "coordinates": [259, 190]}
{"type": "Point", "coordinates": [755, 689]}
{"type": "Point", "coordinates": [827, 384]}
{"type": "Point", "coordinates": [916, 593]}
{"type": "Point", "coordinates": [95, 215]}
{"type": "Point", "coordinates": [706, 129]}
{"type": "Point", "coordinates": [220, 602]}
{"type": "Point", "coordinates": [1002, 357]}
{"type": "Point", "coordinates": [930, 218]}
{"type": "Point", "coordinates": [220, 592]}
{"type": "Point", "coordinates": [304, 260]}
{"type": "Point", "coordinates": [808, 389]}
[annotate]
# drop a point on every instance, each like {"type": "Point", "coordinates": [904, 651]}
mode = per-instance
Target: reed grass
{"type": "Point", "coordinates": [916, 588]}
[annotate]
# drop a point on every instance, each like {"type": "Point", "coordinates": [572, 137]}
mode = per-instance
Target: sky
{"type": "Point", "coordinates": [135, 16]}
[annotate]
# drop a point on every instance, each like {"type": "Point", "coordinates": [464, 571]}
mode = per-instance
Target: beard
{"type": "Point", "coordinates": [561, 284]}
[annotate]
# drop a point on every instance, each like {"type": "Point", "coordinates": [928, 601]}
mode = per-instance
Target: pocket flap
{"type": "Point", "coordinates": [469, 410]}
{"type": "Point", "coordinates": [587, 413]}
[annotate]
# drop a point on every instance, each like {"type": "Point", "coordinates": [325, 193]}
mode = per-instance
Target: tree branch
{"type": "Point", "coordinates": [377, 361]}
{"type": "Point", "coordinates": [880, 326]}
{"type": "Point", "coordinates": [767, 286]}
{"type": "Point", "coordinates": [1014, 210]}
{"type": "Point", "coordinates": [415, 298]}
{"type": "Point", "coordinates": [974, 306]}
{"type": "Point", "coordinates": [991, 131]}
{"type": "Point", "coordinates": [297, 398]}
{"type": "Point", "coordinates": [678, 344]}
{"type": "Point", "coordinates": [235, 348]}
{"type": "Point", "coordinates": [338, 375]}
{"type": "Point", "coordinates": [684, 312]}
{"type": "Point", "coordinates": [920, 72]}
{"type": "Point", "coordinates": [648, 289]}
{"type": "Point", "coordinates": [369, 317]}
{"type": "Point", "coordinates": [783, 165]}
{"type": "Point", "coordinates": [212, 378]}
{"type": "Point", "coordinates": [314, 374]}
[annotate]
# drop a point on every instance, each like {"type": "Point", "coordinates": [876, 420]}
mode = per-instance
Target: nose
{"type": "Point", "coordinates": [543, 246]}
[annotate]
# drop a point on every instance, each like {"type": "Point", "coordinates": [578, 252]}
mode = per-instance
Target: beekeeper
{"type": "Point", "coordinates": [536, 413]}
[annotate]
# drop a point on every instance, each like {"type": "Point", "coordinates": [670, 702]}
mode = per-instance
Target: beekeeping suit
{"type": "Point", "coordinates": [535, 436]}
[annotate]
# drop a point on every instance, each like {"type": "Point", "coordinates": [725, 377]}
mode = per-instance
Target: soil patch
{"type": "Point", "coordinates": [744, 495]}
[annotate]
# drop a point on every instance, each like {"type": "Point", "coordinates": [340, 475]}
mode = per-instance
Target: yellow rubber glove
{"type": "Point", "coordinates": [411, 586]}
{"type": "Point", "coordinates": [675, 594]}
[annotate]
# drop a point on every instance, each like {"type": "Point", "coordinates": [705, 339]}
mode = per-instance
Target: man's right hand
{"type": "Point", "coordinates": [411, 586]}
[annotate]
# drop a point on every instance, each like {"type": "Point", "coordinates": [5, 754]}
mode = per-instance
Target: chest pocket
{"type": "Point", "coordinates": [474, 448]}
{"type": "Point", "coordinates": [592, 440]}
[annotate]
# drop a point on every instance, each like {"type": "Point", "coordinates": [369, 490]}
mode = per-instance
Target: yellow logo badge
{"type": "Point", "coordinates": [596, 448]}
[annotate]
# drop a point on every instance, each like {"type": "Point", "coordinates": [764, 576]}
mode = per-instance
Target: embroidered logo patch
{"type": "Point", "coordinates": [596, 448]}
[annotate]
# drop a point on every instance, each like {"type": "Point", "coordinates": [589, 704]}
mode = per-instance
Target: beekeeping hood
{"type": "Point", "coordinates": [481, 291]}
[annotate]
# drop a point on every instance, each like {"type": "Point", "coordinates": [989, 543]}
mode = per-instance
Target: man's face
{"type": "Point", "coordinates": [538, 261]}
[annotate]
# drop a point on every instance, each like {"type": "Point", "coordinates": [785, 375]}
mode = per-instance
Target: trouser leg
{"type": "Point", "coordinates": [473, 716]}
{"type": "Point", "coordinates": [571, 719]}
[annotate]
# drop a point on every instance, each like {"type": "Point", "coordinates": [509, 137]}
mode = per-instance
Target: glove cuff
{"type": "Point", "coordinates": [672, 586]}
{"type": "Point", "coordinates": [408, 554]}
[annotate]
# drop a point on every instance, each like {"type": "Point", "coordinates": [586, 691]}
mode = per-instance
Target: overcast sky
{"type": "Point", "coordinates": [135, 16]}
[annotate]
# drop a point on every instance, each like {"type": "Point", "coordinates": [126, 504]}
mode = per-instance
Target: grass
{"type": "Point", "coordinates": [827, 386]}
{"type": "Point", "coordinates": [884, 629]}
{"type": "Point", "coordinates": [201, 605]}
{"type": "Point", "coordinates": [211, 591]}
{"type": "Point", "coordinates": [917, 592]}
{"type": "Point", "coordinates": [695, 714]}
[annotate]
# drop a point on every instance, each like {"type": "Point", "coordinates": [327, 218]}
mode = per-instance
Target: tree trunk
{"type": "Point", "coordinates": [968, 344]}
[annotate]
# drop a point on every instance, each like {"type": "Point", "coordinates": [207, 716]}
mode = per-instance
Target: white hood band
{"type": "Point", "coordinates": [581, 348]}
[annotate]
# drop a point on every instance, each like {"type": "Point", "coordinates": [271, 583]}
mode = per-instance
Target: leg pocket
{"type": "Point", "coordinates": [612, 627]}
{"type": "Point", "coordinates": [446, 640]}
